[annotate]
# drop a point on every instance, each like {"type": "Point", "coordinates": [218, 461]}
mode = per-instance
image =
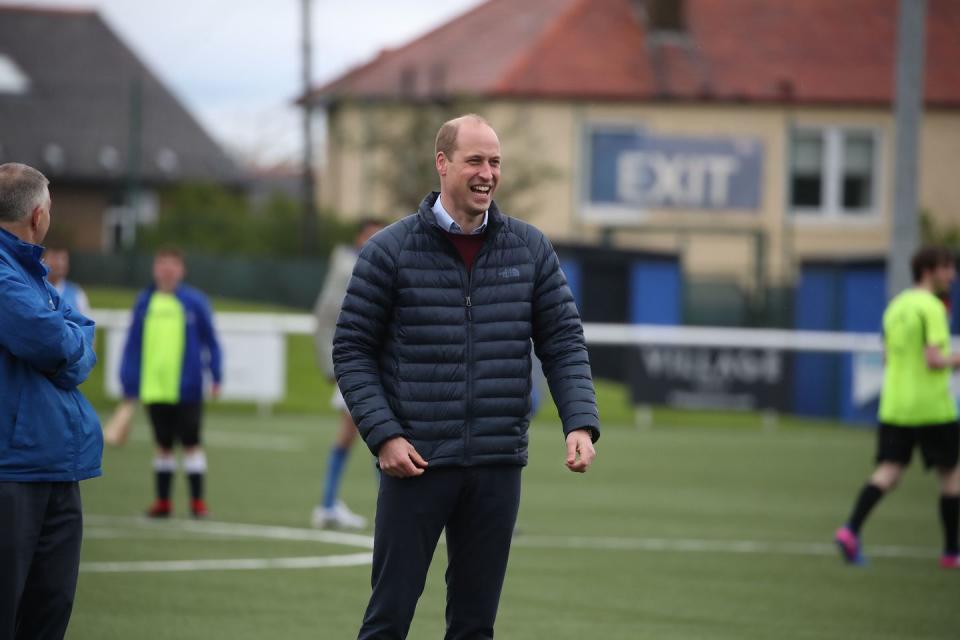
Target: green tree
{"type": "Point", "coordinates": [203, 217]}
{"type": "Point", "coordinates": [404, 137]}
{"type": "Point", "coordinates": [932, 232]}
{"type": "Point", "coordinates": [209, 219]}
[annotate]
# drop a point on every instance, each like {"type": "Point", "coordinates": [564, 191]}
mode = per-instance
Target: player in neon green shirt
{"type": "Point", "coordinates": [916, 405]}
{"type": "Point", "coordinates": [171, 347]}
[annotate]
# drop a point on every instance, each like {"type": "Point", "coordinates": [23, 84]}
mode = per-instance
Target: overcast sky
{"type": "Point", "coordinates": [236, 63]}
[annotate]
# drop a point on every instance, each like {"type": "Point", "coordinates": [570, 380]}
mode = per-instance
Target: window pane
{"type": "Point", "coordinates": [806, 174]}
{"type": "Point", "coordinates": [808, 152]}
{"type": "Point", "coordinates": [858, 155]}
{"type": "Point", "coordinates": [856, 193]}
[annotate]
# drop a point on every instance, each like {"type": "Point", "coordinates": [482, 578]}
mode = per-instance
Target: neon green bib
{"type": "Point", "coordinates": [164, 337]}
{"type": "Point", "coordinates": [913, 393]}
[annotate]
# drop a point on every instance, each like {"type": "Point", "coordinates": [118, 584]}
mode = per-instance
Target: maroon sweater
{"type": "Point", "coordinates": [468, 246]}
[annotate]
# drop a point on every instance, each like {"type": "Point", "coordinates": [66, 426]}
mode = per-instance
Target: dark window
{"type": "Point", "coordinates": [438, 79]}
{"type": "Point", "coordinates": [408, 81]}
{"type": "Point", "coordinates": [806, 173]}
{"type": "Point", "coordinates": [857, 187]}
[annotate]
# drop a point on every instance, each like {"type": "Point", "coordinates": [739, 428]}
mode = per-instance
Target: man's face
{"type": "Point", "coordinates": [168, 272]}
{"type": "Point", "coordinates": [942, 277]}
{"type": "Point", "coordinates": [58, 262]}
{"type": "Point", "coordinates": [471, 174]}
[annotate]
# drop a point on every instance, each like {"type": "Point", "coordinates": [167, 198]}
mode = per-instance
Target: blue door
{"type": "Point", "coordinates": [864, 298]}
{"type": "Point", "coordinates": [816, 376]}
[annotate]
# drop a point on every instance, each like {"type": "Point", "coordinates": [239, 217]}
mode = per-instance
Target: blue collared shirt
{"type": "Point", "coordinates": [447, 223]}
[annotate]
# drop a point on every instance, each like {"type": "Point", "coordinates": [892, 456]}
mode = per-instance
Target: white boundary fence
{"type": "Point", "coordinates": [255, 356]}
{"type": "Point", "coordinates": [779, 339]}
{"type": "Point", "coordinates": [254, 349]}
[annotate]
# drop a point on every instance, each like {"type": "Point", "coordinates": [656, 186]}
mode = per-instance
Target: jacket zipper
{"type": "Point", "coordinates": [468, 311]}
{"type": "Point", "coordinates": [468, 418]}
{"type": "Point", "coordinates": [468, 307]}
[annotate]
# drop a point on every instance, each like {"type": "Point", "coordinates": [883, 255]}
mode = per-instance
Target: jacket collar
{"type": "Point", "coordinates": [427, 217]}
{"type": "Point", "coordinates": [152, 289]}
{"type": "Point", "coordinates": [26, 253]}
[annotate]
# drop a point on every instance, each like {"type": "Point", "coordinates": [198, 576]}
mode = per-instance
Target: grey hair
{"type": "Point", "coordinates": [22, 189]}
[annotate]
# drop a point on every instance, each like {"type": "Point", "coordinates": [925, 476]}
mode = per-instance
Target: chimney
{"type": "Point", "coordinates": [662, 16]}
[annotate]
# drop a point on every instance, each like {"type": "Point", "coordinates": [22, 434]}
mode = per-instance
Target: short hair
{"type": "Point", "coordinates": [169, 251]}
{"type": "Point", "coordinates": [447, 135]}
{"type": "Point", "coordinates": [929, 258]}
{"type": "Point", "coordinates": [22, 189]}
{"type": "Point", "coordinates": [369, 222]}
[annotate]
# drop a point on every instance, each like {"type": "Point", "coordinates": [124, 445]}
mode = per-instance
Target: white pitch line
{"type": "Point", "coordinates": [599, 543]}
{"type": "Point", "coordinates": [229, 440]}
{"type": "Point", "coordinates": [235, 564]}
{"type": "Point", "coordinates": [711, 546]}
{"type": "Point", "coordinates": [119, 533]}
{"type": "Point", "coordinates": [234, 440]}
{"type": "Point", "coordinates": [237, 530]}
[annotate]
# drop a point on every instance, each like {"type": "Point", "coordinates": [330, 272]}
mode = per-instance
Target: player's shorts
{"type": "Point", "coordinates": [176, 423]}
{"type": "Point", "coordinates": [337, 401]}
{"type": "Point", "coordinates": [939, 444]}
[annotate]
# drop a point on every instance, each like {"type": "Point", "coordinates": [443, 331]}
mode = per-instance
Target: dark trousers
{"type": "Point", "coordinates": [478, 506]}
{"type": "Point", "coordinates": [40, 531]}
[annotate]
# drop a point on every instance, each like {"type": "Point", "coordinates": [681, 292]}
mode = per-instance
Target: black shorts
{"type": "Point", "coordinates": [176, 423]}
{"type": "Point", "coordinates": [939, 444]}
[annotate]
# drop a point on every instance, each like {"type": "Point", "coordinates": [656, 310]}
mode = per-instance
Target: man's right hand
{"type": "Point", "coordinates": [399, 459]}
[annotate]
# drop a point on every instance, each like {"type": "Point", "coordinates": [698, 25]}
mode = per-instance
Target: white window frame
{"type": "Point", "coordinates": [127, 218]}
{"type": "Point", "coordinates": [832, 208]}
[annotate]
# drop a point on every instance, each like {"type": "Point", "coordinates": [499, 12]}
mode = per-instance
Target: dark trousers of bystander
{"type": "Point", "coordinates": [41, 526]}
{"type": "Point", "coordinates": [478, 507]}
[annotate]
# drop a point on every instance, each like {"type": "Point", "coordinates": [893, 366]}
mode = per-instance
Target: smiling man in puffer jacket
{"type": "Point", "coordinates": [50, 437]}
{"type": "Point", "coordinates": [432, 355]}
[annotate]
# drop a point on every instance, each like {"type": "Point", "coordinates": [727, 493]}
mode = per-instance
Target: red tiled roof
{"type": "Point", "coordinates": [813, 51]}
{"type": "Point", "coordinates": [469, 54]}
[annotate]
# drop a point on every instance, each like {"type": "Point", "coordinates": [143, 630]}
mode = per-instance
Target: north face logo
{"type": "Point", "coordinates": [508, 273]}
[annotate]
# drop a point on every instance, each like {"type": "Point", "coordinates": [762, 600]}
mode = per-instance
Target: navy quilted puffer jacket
{"type": "Point", "coordinates": [425, 350]}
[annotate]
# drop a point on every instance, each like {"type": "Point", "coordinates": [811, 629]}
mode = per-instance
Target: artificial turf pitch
{"type": "Point", "coordinates": [684, 531]}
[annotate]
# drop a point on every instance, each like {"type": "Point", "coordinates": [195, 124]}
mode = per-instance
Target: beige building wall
{"type": "Point", "coordinates": [710, 241]}
{"type": "Point", "coordinates": [940, 166]}
{"type": "Point", "coordinates": [849, 237]}
{"type": "Point", "coordinates": [549, 136]}
{"type": "Point", "coordinates": [77, 217]}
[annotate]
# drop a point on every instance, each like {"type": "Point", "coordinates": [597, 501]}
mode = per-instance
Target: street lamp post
{"type": "Point", "coordinates": [309, 215]}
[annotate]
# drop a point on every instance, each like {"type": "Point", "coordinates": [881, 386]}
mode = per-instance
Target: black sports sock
{"type": "Point", "coordinates": [196, 485]}
{"type": "Point", "coordinates": [950, 517]}
{"type": "Point", "coordinates": [164, 480]}
{"type": "Point", "coordinates": [869, 497]}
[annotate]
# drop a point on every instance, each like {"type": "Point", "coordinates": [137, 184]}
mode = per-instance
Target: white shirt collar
{"type": "Point", "coordinates": [447, 223]}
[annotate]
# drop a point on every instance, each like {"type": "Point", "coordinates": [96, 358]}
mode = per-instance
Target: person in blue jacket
{"type": "Point", "coordinates": [50, 437]}
{"type": "Point", "coordinates": [170, 344]}
{"type": "Point", "coordinates": [57, 260]}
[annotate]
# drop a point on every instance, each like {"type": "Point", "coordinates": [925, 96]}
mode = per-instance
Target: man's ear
{"type": "Point", "coordinates": [35, 216]}
{"type": "Point", "coordinates": [441, 163]}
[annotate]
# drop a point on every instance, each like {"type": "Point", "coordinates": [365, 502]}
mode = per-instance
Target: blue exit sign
{"type": "Point", "coordinates": [632, 170]}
